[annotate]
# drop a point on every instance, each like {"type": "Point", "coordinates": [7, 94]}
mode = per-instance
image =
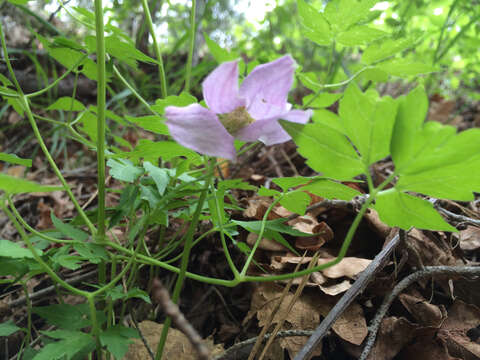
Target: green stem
{"type": "Point", "coordinates": [29, 313]}
{"type": "Point", "coordinates": [442, 31]}
{"type": "Point", "coordinates": [188, 70]}
{"type": "Point", "coordinates": [95, 326]}
{"type": "Point", "coordinates": [184, 263]}
{"type": "Point", "coordinates": [458, 36]}
{"type": "Point", "coordinates": [158, 53]}
{"type": "Point", "coordinates": [101, 105]}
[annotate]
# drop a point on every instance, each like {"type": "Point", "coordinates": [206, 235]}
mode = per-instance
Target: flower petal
{"type": "Point", "coordinates": [269, 131]}
{"type": "Point", "coordinates": [198, 128]}
{"type": "Point", "coordinates": [220, 88]}
{"type": "Point", "coordinates": [268, 84]}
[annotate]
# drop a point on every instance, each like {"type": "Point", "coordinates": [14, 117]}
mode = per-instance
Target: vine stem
{"type": "Point", "coordinates": [101, 105]}
{"type": "Point", "coordinates": [156, 46]}
{"type": "Point", "coordinates": [185, 258]}
{"type": "Point", "coordinates": [188, 70]}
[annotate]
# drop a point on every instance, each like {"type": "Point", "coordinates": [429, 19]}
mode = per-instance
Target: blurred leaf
{"type": "Point", "coordinates": [124, 170]}
{"type": "Point", "coordinates": [385, 49]}
{"type": "Point", "coordinates": [341, 14]}
{"type": "Point", "coordinates": [183, 99]}
{"type": "Point", "coordinates": [117, 339]}
{"type": "Point", "coordinates": [15, 185]}
{"type": "Point", "coordinates": [69, 345]}
{"type": "Point", "coordinates": [13, 250]}
{"type": "Point", "coordinates": [68, 230]}
{"type": "Point", "coordinates": [296, 201]}
{"type": "Point", "coordinates": [65, 316]}
{"type": "Point", "coordinates": [14, 159]}
{"type": "Point", "coordinates": [160, 176]}
{"type": "Point", "coordinates": [8, 328]}
{"type": "Point", "coordinates": [314, 25]}
{"type": "Point", "coordinates": [322, 100]}
{"type": "Point", "coordinates": [219, 54]}
{"type": "Point", "coordinates": [66, 103]}
{"type": "Point", "coordinates": [151, 123]}
{"type": "Point", "coordinates": [405, 68]}
{"type": "Point", "coordinates": [360, 35]}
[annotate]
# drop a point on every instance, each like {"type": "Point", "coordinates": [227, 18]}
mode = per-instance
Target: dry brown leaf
{"type": "Point", "coordinates": [470, 238]}
{"type": "Point", "coordinates": [177, 345]}
{"type": "Point", "coordinates": [16, 171]}
{"type": "Point", "coordinates": [336, 289]}
{"type": "Point", "coordinates": [426, 348]}
{"type": "Point", "coordinates": [318, 278]}
{"type": "Point", "coordinates": [348, 266]}
{"type": "Point", "coordinates": [440, 109]}
{"type": "Point", "coordinates": [430, 249]}
{"type": "Point", "coordinates": [424, 313]}
{"type": "Point", "coordinates": [352, 326]}
{"type": "Point", "coordinates": [265, 244]}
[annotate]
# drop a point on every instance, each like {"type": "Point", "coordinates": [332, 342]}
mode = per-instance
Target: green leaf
{"type": "Point", "coordinates": [160, 176]}
{"type": "Point", "coordinates": [89, 122]}
{"type": "Point", "coordinates": [70, 344]}
{"type": "Point", "coordinates": [263, 191]}
{"type": "Point", "coordinates": [15, 185]}
{"type": "Point", "coordinates": [219, 54]}
{"type": "Point", "coordinates": [8, 328]}
{"type": "Point", "coordinates": [151, 123]}
{"type": "Point", "coordinates": [65, 316]}
{"type": "Point", "coordinates": [326, 150]}
{"type": "Point", "coordinates": [360, 35]}
{"type": "Point", "coordinates": [341, 14]}
{"type": "Point", "coordinates": [314, 25]}
{"type": "Point", "coordinates": [124, 170]}
{"type": "Point", "coordinates": [432, 158]}
{"type": "Point", "coordinates": [404, 68]}
{"type": "Point", "coordinates": [67, 103]}
{"type": "Point", "coordinates": [14, 159]}
{"type": "Point", "coordinates": [385, 48]}
{"type": "Point", "coordinates": [94, 253]}
{"type": "Point", "coordinates": [329, 189]}
{"type": "Point", "coordinates": [14, 250]}
{"type": "Point", "coordinates": [368, 122]}
{"type": "Point", "coordinates": [18, 2]}
{"type": "Point", "coordinates": [68, 230]}
{"type": "Point", "coordinates": [296, 201]}
{"type": "Point", "coordinates": [183, 99]}
{"type": "Point", "coordinates": [117, 339]}
{"type": "Point", "coordinates": [287, 183]}
{"type": "Point", "coordinates": [152, 151]}
{"type": "Point", "coordinates": [321, 101]}
{"type": "Point", "coordinates": [309, 80]}
{"type": "Point", "coordinates": [328, 118]}
{"type": "Point", "coordinates": [235, 184]}
{"type": "Point", "coordinates": [396, 208]}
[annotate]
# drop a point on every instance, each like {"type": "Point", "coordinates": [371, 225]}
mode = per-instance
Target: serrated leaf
{"type": "Point", "coordinates": [151, 123]}
{"type": "Point", "coordinates": [360, 35]}
{"type": "Point", "coordinates": [385, 49]}
{"type": "Point", "coordinates": [289, 182]}
{"type": "Point", "coordinates": [183, 99]}
{"type": "Point", "coordinates": [341, 14]}
{"type": "Point", "coordinates": [368, 121]}
{"type": "Point", "coordinates": [124, 170]}
{"type": "Point", "coordinates": [160, 176]}
{"type": "Point", "coordinates": [219, 54]}
{"type": "Point", "coordinates": [396, 208]}
{"type": "Point", "coordinates": [296, 201]}
{"type": "Point", "coordinates": [404, 68]}
{"type": "Point", "coordinates": [432, 158]}
{"type": "Point", "coordinates": [94, 253]}
{"type": "Point", "coordinates": [8, 328]}
{"type": "Point", "coordinates": [117, 339]}
{"type": "Point", "coordinates": [67, 103]}
{"type": "Point", "coordinates": [70, 344]}
{"type": "Point", "coordinates": [14, 159]}
{"type": "Point", "coordinates": [68, 230]}
{"type": "Point", "coordinates": [65, 316]}
{"type": "Point", "coordinates": [329, 189]}
{"type": "Point", "coordinates": [328, 118]}
{"type": "Point", "coordinates": [13, 250]}
{"type": "Point", "coordinates": [14, 185]}
{"type": "Point", "coordinates": [326, 150]}
{"type": "Point", "coordinates": [314, 25]}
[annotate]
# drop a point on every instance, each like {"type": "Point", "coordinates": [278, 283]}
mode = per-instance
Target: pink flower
{"type": "Point", "coordinates": [250, 113]}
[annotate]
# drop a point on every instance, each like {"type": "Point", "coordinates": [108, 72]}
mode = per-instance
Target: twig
{"type": "Point", "coordinates": [144, 341]}
{"type": "Point", "coordinates": [402, 285]}
{"type": "Point", "coordinates": [161, 296]}
{"type": "Point", "coordinates": [358, 286]}
{"type": "Point", "coordinates": [459, 219]}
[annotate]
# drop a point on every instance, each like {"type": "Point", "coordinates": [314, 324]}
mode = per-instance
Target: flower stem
{"type": "Point", "coordinates": [158, 53]}
{"type": "Point", "coordinates": [188, 70]}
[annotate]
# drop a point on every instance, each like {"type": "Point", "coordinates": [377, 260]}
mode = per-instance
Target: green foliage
{"type": "Point", "coordinates": [13, 185]}
{"type": "Point", "coordinates": [117, 339]}
{"type": "Point", "coordinates": [14, 159]}
{"type": "Point", "coordinates": [69, 344]}
{"type": "Point", "coordinates": [8, 328]}
{"type": "Point", "coordinates": [13, 250]}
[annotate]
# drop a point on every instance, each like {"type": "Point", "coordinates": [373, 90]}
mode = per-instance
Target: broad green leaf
{"type": "Point", "coordinates": [124, 170]}
{"type": "Point", "coordinates": [89, 122]}
{"type": "Point", "coordinates": [67, 103]}
{"type": "Point", "coordinates": [151, 123]}
{"type": "Point", "coordinates": [151, 151]}
{"type": "Point", "coordinates": [13, 267]}
{"type": "Point", "coordinates": [263, 191]}
{"type": "Point", "coordinates": [117, 339]}
{"type": "Point", "coordinates": [65, 316]}
{"type": "Point", "coordinates": [360, 35]}
{"type": "Point", "coordinates": [219, 54]}
{"type": "Point", "coordinates": [328, 118]}
{"type": "Point", "coordinates": [68, 230]}
{"type": "Point", "coordinates": [404, 68]}
{"type": "Point", "coordinates": [14, 185]}
{"type": "Point", "coordinates": [309, 80]}
{"type": "Point", "coordinates": [287, 183]}
{"type": "Point", "coordinates": [368, 121]}
{"type": "Point", "coordinates": [13, 250]}
{"type": "Point", "coordinates": [314, 25]}
{"type": "Point", "coordinates": [94, 253]}
{"type": "Point", "coordinates": [8, 328]}
{"type": "Point", "coordinates": [160, 176]}
{"type": "Point", "coordinates": [14, 159]}
{"type": "Point", "coordinates": [19, 2]}
{"type": "Point", "coordinates": [396, 208]}
{"type": "Point", "coordinates": [117, 293]}
{"type": "Point", "coordinates": [296, 201]}
{"type": "Point", "coordinates": [322, 100]}
{"type": "Point", "coordinates": [326, 150]}
{"type": "Point", "coordinates": [385, 48]}
{"type": "Point", "coordinates": [341, 14]}
{"type": "Point", "coordinates": [183, 99]}
{"type": "Point", "coordinates": [69, 345]}
{"type": "Point", "coordinates": [375, 74]}
{"type": "Point", "coordinates": [235, 184]}
{"type": "Point", "coordinates": [329, 189]}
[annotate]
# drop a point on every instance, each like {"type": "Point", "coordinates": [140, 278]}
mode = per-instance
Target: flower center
{"type": "Point", "coordinates": [236, 120]}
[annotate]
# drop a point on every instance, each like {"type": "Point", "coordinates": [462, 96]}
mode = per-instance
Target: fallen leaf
{"type": "Point", "coordinates": [470, 238]}
{"type": "Point", "coordinates": [265, 244]}
{"type": "Point", "coordinates": [336, 289]}
{"type": "Point", "coordinates": [424, 313]}
{"type": "Point", "coordinates": [348, 266]}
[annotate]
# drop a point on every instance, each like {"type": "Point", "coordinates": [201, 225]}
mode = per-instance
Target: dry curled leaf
{"type": "Point", "coordinates": [348, 266]}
